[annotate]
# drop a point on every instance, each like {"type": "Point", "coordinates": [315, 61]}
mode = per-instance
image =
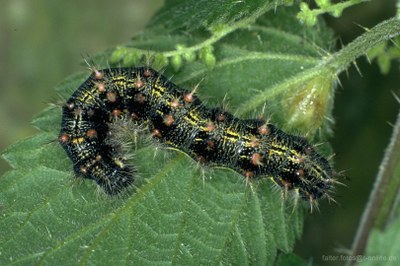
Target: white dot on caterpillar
{"type": "Point", "coordinates": [147, 73]}
{"type": "Point", "coordinates": [175, 103]}
{"type": "Point", "coordinates": [254, 142]}
{"type": "Point", "coordinates": [221, 117]}
{"type": "Point", "coordinates": [189, 97]}
{"type": "Point", "coordinates": [139, 83]}
{"type": "Point", "coordinates": [201, 159]}
{"type": "Point", "coordinates": [70, 106]}
{"type": "Point", "coordinates": [248, 174]}
{"type": "Point", "coordinates": [64, 138]}
{"type": "Point", "coordinates": [98, 74]}
{"type": "Point", "coordinates": [101, 86]}
{"type": "Point", "coordinates": [111, 97]}
{"type": "Point", "coordinates": [116, 112]}
{"type": "Point", "coordinates": [134, 116]}
{"type": "Point", "coordinates": [91, 133]}
{"type": "Point", "coordinates": [210, 145]}
{"type": "Point", "coordinates": [300, 173]}
{"type": "Point", "coordinates": [299, 158]}
{"type": "Point", "coordinates": [308, 150]}
{"type": "Point", "coordinates": [264, 129]}
{"type": "Point", "coordinates": [156, 133]}
{"type": "Point", "coordinates": [168, 120]}
{"type": "Point", "coordinates": [209, 127]}
{"type": "Point", "coordinates": [256, 159]}
{"type": "Point", "coordinates": [83, 169]}
{"type": "Point", "coordinates": [140, 98]}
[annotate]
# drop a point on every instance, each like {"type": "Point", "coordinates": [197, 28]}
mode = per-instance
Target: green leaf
{"type": "Point", "coordinates": [291, 260]}
{"type": "Point", "coordinates": [179, 213]}
{"type": "Point", "coordinates": [383, 246]}
{"type": "Point", "coordinates": [194, 14]}
{"type": "Point", "coordinates": [309, 16]}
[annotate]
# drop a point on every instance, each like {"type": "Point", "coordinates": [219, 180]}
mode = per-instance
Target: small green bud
{"type": "Point", "coordinates": [323, 3]}
{"type": "Point", "coordinates": [306, 15]}
{"type": "Point", "coordinates": [207, 56]}
{"type": "Point", "coordinates": [160, 60]}
{"type": "Point", "coordinates": [311, 101]}
{"type": "Point", "coordinates": [176, 62]}
{"type": "Point", "coordinates": [384, 63]}
{"type": "Point", "coordinates": [132, 57]}
{"type": "Point", "coordinates": [337, 12]}
{"type": "Point", "coordinates": [189, 56]}
{"type": "Point", "coordinates": [118, 54]}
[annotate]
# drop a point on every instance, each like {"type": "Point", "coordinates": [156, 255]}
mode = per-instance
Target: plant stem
{"type": "Point", "coordinates": [398, 9]}
{"type": "Point", "coordinates": [220, 33]}
{"type": "Point", "coordinates": [386, 30]}
{"type": "Point", "coordinates": [333, 64]}
{"type": "Point", "coordinates": [383, 196]}
{"type": "Point", "coordinates": [337, 7]}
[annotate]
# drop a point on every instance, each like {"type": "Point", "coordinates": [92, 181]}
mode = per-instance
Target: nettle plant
{"type": "Point", "coordinates": [270, 59]}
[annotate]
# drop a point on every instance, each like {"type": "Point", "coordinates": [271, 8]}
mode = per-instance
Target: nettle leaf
{"type": "Point", "coordinates": [194, 14]}
{"type": "Point", "coordinates": [383, 245]}
{"type": "Point", "coordinates": [179, 212]}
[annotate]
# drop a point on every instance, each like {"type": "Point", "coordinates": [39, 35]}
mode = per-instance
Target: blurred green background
{"type": "Point", "coordinates": [42, 42]}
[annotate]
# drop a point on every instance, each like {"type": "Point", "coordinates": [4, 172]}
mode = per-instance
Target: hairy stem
{"type": "Point", "coordinates": [398, 9]}
{"type": "Point", "coordinates": [384, 31]}
{"type": "Point", "coordinates": [339, 6]}
{"type": "Point", "coordinates": [333, 64]}
{"type": "Point", "coordinates": [220, 33]}
{"type": "Point", "coordinates": [383, 196]}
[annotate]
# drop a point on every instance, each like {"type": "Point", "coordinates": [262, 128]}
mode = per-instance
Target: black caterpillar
{"type": "Point", "coordinates": [177, 118]}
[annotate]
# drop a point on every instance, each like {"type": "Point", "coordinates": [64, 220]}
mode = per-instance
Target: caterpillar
{"type": "Point", "coordinates": [177, 118]}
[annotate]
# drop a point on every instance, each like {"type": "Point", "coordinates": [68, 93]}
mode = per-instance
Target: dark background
{"type": "Point", "coordinates": [43, 41]}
